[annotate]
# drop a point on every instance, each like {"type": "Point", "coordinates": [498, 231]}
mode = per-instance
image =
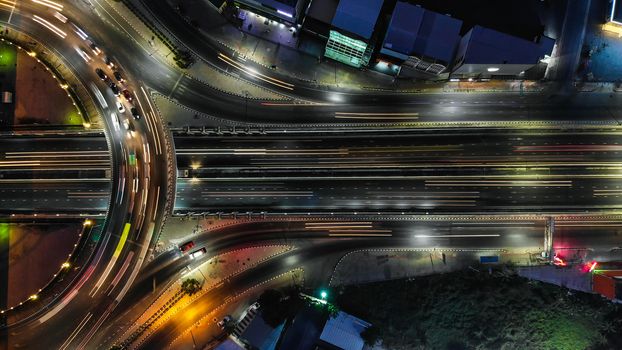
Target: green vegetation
{"type": "Point", "coordinates": [4, 230]}
{"type": "Point", "coordinates": [8, 57]}
{"type": "Point", "coordinates": [470, 310]}
{"type": "Point", "coordinates": [190, 286]}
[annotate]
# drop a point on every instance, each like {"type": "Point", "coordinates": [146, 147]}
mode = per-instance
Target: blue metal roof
{"type": "Point", "coordinates": [403, 28]}
{"type": "Point", "coordinates": [487, 46]}
{"type": "Point", "coordinates": [415, 31]}
{"type": "Point", "coordinates": [344, 331]}
{"type": "Point", "coordinates": [357, 16]}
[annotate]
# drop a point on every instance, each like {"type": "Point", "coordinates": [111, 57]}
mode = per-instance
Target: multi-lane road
{"type": "Point", "coordinates": [55, 173]}
{"type": "Point", "coordinates": [522, 159]}
{"type": "Point", "coordinates": [474, 170]}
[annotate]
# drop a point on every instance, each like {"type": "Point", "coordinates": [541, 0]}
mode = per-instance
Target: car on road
{"type": "Point", "coordinates": [96, 50]}
{"type": "Point", "coordinates": [128, 95]}
{"type": "Point", "coordinates": [222, 323]}
{"type": "Point", "coordinates": [101, 74]}
{"type": "Point", "coordinates": [127, 125]}
{"type": "Point", "coordinates": [135, 113]}
{"type": "Point", "coordinates": [84, 55]}
{"type": "Point", "coordinates": [109, 62]}
{"type": "Point", "coordinates": [114, 88]}
{"type": "Point", "coordinates": [118, 76]}
{"type": "Point", "coordinates": [198, 253]}
{"type": "Point", "coordinates": [120, 107]}
{"type": "Point", "coordinates": [186, 246]}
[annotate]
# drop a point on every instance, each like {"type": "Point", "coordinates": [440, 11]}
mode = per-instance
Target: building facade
{"type": "Point", "coordinates": [418, 40]}
{"type": "Point", "coordinates": [484, 52]}
{"type": "Point", "coordinates": [351, 35]}
{"type": "Point", "coordinates": [285, 11]}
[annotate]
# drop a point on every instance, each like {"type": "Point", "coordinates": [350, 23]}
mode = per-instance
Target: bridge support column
{"type": "Point", "coordinates": [549, 230]}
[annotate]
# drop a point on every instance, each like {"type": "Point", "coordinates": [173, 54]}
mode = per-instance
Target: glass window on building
{"type": "Point", "coordinates": [346, 50]}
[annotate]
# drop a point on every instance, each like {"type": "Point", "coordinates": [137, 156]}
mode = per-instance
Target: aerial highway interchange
{"type": "Point", "coordinates": [406, 170]}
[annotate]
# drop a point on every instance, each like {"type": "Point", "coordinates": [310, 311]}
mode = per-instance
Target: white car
{"type": "Point", "coordinates": [198, 253]}
{"type": "Point", "coordinates": [120, 107]}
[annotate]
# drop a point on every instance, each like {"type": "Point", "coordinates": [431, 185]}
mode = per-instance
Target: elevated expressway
{"type": "Point", "coordinates": [55, 174]}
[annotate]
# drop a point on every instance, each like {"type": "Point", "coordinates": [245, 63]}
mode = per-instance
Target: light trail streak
{"type": "Point", "coordinates": [8, 4]}
{"type": "Point", "coordinates": [253, 73]}
{"type": "Point", "coordinates": [76, 331]}
{"type": "Point", "coordinates": [377, 116]}
{"type": "Point", "coordinates": [49, 26]}
{"type": "Point", "coordinates": [113, 260]}
{"type": "Point", "coordinates": [51, 4]}
{"type": "Point", "coordinates": [457, 236]}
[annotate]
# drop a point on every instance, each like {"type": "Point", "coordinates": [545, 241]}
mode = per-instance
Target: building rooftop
{"type": "Point", "coordinates": [357, 16]}
{"type": "Point", "coordinates": [414, 30]}
{"type": "Point", "coordinates": [344, 331]}
{"type": "Point", "coordinates": [229, 345]}
{"type": "Point", "coordinates": [487, 46]}
{"type": "Point", "coordinates": [323, 10]}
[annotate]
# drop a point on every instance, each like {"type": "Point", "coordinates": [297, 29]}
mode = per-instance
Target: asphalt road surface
{"type": "Point", "coordinates": [55, 173]}
{"type": "Point", "coordinates": [453, 171]}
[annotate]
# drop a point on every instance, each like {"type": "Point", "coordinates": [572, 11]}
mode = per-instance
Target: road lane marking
{"type": "Point", "coordinates": [75, 333]}
{"type": "Point", "coordinates": [176, 83]}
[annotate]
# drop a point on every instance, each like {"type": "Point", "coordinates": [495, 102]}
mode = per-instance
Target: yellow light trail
{"type": "Point", "coordinates": [8, 3]}
{"type": "Point", "coordinates": [124, 234]}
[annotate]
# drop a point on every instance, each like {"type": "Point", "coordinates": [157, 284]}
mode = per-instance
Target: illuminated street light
{"type": "Point", "coordinates": [87, 222]}
{"type": "Point", "coordinates": [66, 265]}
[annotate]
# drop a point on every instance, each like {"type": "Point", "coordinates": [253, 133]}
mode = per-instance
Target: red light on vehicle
{"type": "Point", "coordinates": [589, 266]}
{"type": "Point", "coordinates": [557, 261]}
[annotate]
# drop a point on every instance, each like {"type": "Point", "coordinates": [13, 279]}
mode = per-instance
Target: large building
{"type": "Point", "coordinates": [287, 11]}
{"type": "Point", "coordinates": [351, 35]}
{"type": "Point", "coordinates": [418, 40]}
{"type": "Point", "coordinates": [485, 52]}
{"type": "Point", "coordinates": [319, 17]}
